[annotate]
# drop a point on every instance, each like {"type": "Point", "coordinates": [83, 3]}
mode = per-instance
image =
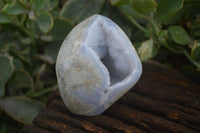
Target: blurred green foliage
{"type": "Point", "coordinates": [31, 32]}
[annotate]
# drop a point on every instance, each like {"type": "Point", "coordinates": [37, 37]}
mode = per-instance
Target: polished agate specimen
{"type": "Point", "coordinates": [96, 65]}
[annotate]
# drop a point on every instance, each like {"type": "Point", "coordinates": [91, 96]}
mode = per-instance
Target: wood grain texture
{"type": "Point", "coordinates": [162, 101]}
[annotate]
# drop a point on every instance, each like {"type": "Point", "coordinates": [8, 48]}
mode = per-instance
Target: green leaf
{"type": "Point", "coordinates": [55, 12]}
{"type": "Point", "coordinates": [24, 2]}
{"type": "Point", "coordinates": [196, 51]}
{"type": "Point", "coordinates": [181, 14]}
{"type": "Point", "coordinates": [2, 89]}
{"type": "Point", "coordinates": [60, 29]}
{"type": "Point", "coordinates": [21, 109]}
{"type": "Point", "coordinates": [179, 35]}
{"type": "Point", "coordinates": [128, 10]}
{"type": "Point", "coordinates": [146, 50]}
{"type": "Point", "coordinates": [45, 22]}
{"type": "Point", "coordinates": [77, 10]}
{"type": "Point", "coordinates": [167, 8]}
{"type": "Point", "coordinates": [120, 2]}
{"type": "Point", "coordinates": [5, 18]}
{"type": "Point", "coordinates": [19, 80]}
{"type": "Point", "coordinates": [18, 64]}
{"type": "Point", "coordinates": [38, 5]}
{"type": "Point", "coordinates": [14, 8]}
{"type": "Point", "coordinates": [43, 5]}
{"type": "Point", "coordinates": [144, 6]}
{"type": "Point", "coordinates": [52, 4]}
{"type": "Point", "coordinates": [6, 67]}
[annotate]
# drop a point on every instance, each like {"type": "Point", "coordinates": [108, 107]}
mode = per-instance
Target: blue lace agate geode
{"type": "Point", "coordinates": [96, 65]}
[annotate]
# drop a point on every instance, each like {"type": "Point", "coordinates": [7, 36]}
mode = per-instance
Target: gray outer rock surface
{"type": "Point", "coordinates": [96, 65]}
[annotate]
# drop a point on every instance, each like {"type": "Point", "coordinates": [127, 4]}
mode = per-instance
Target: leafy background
{"type": "Point", "coordinates": [31, 32]}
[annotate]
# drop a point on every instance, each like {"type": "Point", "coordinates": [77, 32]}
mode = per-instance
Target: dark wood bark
{"type": "Point", "coordinates": [162, 101]}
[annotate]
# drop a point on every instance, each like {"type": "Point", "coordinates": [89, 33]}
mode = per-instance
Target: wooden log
{"type": "Point", "coordinates": [162, 101]}
{"type": "Point", "coordinates": [168, 86]}
{"type": "Point", "coordinates": [109, 123]}
{"type": "Point", "coordinates": [161, 109]}
{"type": "Point", "coordinates": [145, 120]}
{"type": "Point", "coordinates": [68, 120]}
{"type": "Point", "coordinates": [34, 129]}
{"type": "Point", "coordinates": [131, 116]}
{"type": "Point", "coordinates": [55, 126]}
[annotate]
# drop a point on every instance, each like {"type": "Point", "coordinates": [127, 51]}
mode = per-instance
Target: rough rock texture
{"type": "Point", "coordinates": [163, 101]}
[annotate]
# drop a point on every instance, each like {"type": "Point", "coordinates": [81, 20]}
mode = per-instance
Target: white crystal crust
{"type": "Point", "coordinates": [96, 65]}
